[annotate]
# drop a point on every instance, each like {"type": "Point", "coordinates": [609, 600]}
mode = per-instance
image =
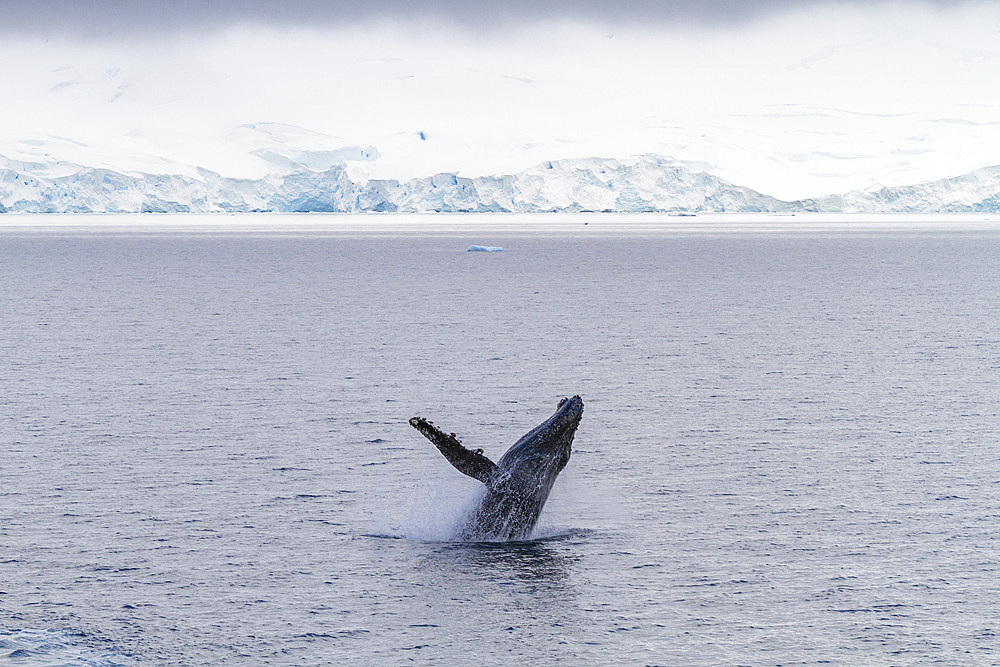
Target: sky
{"type": "Point", "coordinates": [791, 98]}
{"type": "Point", "coordinates": [102, 17]}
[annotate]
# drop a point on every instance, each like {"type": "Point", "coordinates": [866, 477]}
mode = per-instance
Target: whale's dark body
{"type": "Point", "coordinates": [518, 485]}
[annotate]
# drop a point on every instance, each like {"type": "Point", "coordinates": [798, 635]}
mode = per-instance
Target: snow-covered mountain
{"type": "Point", "coordinates": [320, 181]}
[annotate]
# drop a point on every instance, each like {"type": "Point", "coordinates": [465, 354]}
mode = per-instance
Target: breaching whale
{"type": "Point", "coordinates": [519, 484]}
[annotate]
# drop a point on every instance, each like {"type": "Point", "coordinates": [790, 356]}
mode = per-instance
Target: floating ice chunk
{"type": "Point", "coordinates": [484, 248]}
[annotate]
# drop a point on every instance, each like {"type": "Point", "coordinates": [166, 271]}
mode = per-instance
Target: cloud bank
{"type": "Point", "coordinates": [102, 18]}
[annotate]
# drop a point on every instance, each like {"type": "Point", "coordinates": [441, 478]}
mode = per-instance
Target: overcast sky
{"type": "Point", "coordinates": [792, 98]}
{"type": "Point", "coordinates": [97, 17]}
{"type": "Point", "coordinates": [160, 15]}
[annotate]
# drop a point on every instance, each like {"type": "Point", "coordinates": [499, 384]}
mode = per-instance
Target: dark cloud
{"type": "Point", "coordinates": [99, 18]}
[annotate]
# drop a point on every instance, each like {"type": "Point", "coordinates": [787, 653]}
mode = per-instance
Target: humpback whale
{"type": "Point", "coordinates": [518, 485]}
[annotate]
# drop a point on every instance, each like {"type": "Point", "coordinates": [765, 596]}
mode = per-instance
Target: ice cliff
{"type": "Point", "coordinates": [642, 183]}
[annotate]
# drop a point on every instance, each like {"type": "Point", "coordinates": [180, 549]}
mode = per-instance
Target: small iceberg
{"type": "Point", "coordinates": [483, 248]}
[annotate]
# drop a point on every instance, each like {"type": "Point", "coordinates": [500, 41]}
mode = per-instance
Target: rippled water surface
{"type": "Point", "coordinates": [790, 451]}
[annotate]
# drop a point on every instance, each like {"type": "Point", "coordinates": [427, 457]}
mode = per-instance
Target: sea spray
{"type": "Point", "coordinates": [431, 511]}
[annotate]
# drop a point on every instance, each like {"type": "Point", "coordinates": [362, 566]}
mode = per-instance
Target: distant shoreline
{"type": "Point", "coordinates": [502, 223]}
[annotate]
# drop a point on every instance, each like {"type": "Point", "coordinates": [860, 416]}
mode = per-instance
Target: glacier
{"type": "Point", "coordinates": [320, 182]}
{"type": "Point", "coordinates": [975, 192]}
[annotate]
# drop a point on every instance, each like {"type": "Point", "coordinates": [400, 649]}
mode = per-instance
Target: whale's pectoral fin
{"type": "Point", "coordinates": [468, 462]}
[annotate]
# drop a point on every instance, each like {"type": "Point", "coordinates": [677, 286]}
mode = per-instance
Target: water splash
{"type": "Point", "coordinates": [439, 512]}
{"type": "Point", "coordinates": [434, 512]}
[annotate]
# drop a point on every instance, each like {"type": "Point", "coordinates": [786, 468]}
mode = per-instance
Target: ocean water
{"type": "Point", "coordinates": [790, 452]}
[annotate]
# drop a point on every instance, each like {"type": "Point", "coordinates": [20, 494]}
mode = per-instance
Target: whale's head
{"type": "Point", "coordinates": [544, 451]}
